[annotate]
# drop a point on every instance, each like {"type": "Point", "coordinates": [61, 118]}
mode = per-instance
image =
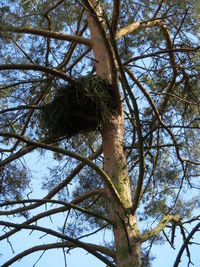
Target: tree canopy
{"type": "Point", "coordinates": [145, 82]}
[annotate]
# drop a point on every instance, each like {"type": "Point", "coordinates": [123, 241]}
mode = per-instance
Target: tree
{"type": "Point", "coordinates": [141, 160]}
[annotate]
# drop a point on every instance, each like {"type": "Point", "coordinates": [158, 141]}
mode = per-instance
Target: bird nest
{"type": "Point", "coordinates": [79, 108]}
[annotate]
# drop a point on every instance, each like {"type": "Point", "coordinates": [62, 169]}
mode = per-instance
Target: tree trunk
{"type": "Point", "coordinates": [127, 247]}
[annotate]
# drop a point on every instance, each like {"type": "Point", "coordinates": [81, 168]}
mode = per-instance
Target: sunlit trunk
{"type": "Point", "coordinates": [125, 229]}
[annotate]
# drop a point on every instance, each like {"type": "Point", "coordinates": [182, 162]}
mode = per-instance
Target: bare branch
{"type": "Point", "coordinates": [29, 251]}
{"type": "Point", "coordinates": [20, 108]}
{"type": "Point", "coordinates": [158, 9]}
{"type": "Point", "coordinates": [59, 2]}
{"type": "Point", "coordinates": [3, 87]}
{"type": "Point", "coordinates": [72, 48]}
{"type": "Point", "coordinates": [66, 207]}
{"type": "Point", "coordinates": [22, 50]}
{"type": "Point", "coordinates": [62, 236]}
{"type": "Point", "coordinates": [98, 191]}
{"type": "Point", "coordinates": [17, 155]}
{"type": "Point", "coordinates": [36, 67]}
{"type": "Point", "coordinates": [159, 23]}
{"type": "Point", "coordinates": [77, 200]}
{"type": "Point", "coordinates": [165, 51]}
{"type": "Point", "coordinates": [40, 215]}
{"type": "Point", "coordinates": [46, 33]}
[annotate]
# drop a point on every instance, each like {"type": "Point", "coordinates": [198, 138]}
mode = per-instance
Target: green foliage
{"type": "Point", "coordinates": [171, 148]}
{"type": "Point", "coordinates": [14, 180]}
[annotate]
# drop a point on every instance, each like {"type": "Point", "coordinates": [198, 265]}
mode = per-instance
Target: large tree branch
{"type": "Point", "coordinates": [17, 155]}
{"type": "Point", "coordinates": [78, 243]}
{"type": "Point", "coordinates": [29, 251]}
{"type": "Point", "coordinates": [135, 26]}
{"type": "Point", "coordinates": [46, 33]}
{"type": "Point", "coordinates": [43, 214]}
{"type": "Point", "coordinates": [39, 202]}
{"type": "Point", "coordinates": [77, 200]}
{"type": "Point", "coordinates": [35, 218]}
{"type": "Point", "coordinates": [115, 15]}
{"type": "Point", "coordinates": [154, 232]}
{"type": "Point", "coordinates": [185, 244]}
{"type": "Point", "coordinates": [66, 207]}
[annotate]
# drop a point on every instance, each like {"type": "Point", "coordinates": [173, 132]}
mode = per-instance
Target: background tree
{"type": "Point", "coordinates": [140, 163]}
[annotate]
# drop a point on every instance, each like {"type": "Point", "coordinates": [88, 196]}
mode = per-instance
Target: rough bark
{"type": "Point", "coordinates": [125, 228]}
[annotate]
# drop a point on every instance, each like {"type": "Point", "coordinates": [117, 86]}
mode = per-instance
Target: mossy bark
{"type": "Point", "coordinates": [125, 229]}
{"type": "Point", "coordinates": [127, 246]}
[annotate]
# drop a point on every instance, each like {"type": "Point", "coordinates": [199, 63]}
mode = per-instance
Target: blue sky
{"type": "Point", "coordinates": [165, 255]}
